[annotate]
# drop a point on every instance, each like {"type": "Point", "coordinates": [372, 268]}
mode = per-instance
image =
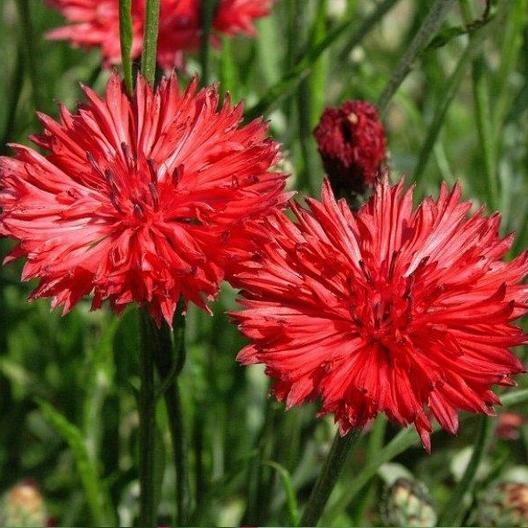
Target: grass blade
{"type": "Point", "coordinates": [428, 29]}
{"type": "Point", "coordinates": [293, 77]}
{"type": "Point", "coordinates": [443, 105]}
{"type": "Point", "coordinates": [291, 499]}
{"type": "Point", "coordinates": [92, 484]}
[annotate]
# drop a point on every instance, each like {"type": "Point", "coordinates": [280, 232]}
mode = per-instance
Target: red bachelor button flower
{"type": "Point", "coordinates": [351, 142]}
{"type": "Point", "coordinates": [390, 309]}
{"type": "Point", "coordinates": [139, 199]}
{"type": "Point", "coordinates": [95, 23]}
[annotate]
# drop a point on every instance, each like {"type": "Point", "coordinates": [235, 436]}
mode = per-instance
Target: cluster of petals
{"type": "Point", "coordinates": [138, 199]}
{"type": "Point", "coordinates": [95, 23]}
{"type": "Point", "coordinates": [395, 309]}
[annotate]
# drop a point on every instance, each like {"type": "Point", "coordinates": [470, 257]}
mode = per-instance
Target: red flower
{"type": "Point", "coordinates": [390, 309]}
{"type": "Point", "coordinates": [95, 23]}
{"type": "Point", "coordinates": [351, 142]}
{"type": "Point", "coordinates": [140, 199]}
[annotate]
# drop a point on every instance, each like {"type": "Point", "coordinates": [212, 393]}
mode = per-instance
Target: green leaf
{"type": "Point", "coordinates": [291, 499]}
{"type": "Point", "coordinates": [94, 488]}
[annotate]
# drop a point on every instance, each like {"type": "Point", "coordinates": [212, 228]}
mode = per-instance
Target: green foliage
{"type": "Point", "coordinates": [68, 386]}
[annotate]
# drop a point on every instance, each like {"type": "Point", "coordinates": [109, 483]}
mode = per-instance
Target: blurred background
{"type": "Point", "coordinates": [68, 419]}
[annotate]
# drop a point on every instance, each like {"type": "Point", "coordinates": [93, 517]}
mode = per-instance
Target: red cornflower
{"type": "Point", "coordinates": [390, 309]}
{"type": "Point", "coordinates": [351, 142]}
{"type": "Point", "coordinates": [95, 23]}
{"type": "Point", "coordinates": [140, 199]}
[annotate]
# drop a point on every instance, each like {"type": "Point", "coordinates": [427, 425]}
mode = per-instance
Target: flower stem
{"type": "Point", "coordinates": [147, 407]}
{"type": "Point", "coordinates": [207, 17]}
{"type": "Point", "coordinates": [454, 510]}
{"type": "Point", "coordinates": [328, 477]}
{"type": "Point", "coordinates": [169, 362]}
{"type": "Point", "coordinates": [429, 27]}
{"type": "Point", "coordinates": [126, 36]}
{"type": "Point", "coordinates": [150, 41]}
{"type": "Point", "coordinates": [31, 54]}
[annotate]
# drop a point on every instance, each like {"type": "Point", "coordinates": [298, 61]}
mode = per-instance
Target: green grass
{"type": "Point", "coordinates": [68, 413]}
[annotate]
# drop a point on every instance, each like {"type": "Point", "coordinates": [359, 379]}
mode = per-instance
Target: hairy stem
{"type": "Point", "coordinates": [126, 36]}
{"type": "Point", "coordinates": [150, 41]}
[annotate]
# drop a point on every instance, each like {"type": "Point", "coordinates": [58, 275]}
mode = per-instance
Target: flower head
{"type": "Point", "coordinates": [391, 309]}
{"type": "Point", "coordinates": [139, 199]}
{"type": "Point", "coordinates": [351, 142]}
{"type": "Point", "coordinates": [95, 23]}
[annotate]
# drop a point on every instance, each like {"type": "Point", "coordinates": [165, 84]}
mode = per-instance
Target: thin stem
{"type": "Point", "coordinates": [380, 11]}
{"type": "Point", "coordinates": [405, 439]}
{"type": "Point", "coordinates": [126, 37]}
{"type": "Point", "coordinates": [258, 476]}
{"type": "Point", "coordinates": [449, 92]}
{"type": "Point", "coordinates": [400, 443]}
{"type": "Point", "coordinates": [287, 84]}
{"type": "Point", "coordinates": [147, 405]}
{"type": "Point", "coordinates": [481, 97]}
{"type": "Point", "coordinates": [169, 363]}
{"type": "Point", "coordinates": [429, 27]}
{"type": "Point", "coordinates": [207, 17]}
{"type": "Point", "coordinates": [150, 41]}
{"type": "Point", "coordinates": [24, 14]}
{"type": "Point", "coordinates": [454, 510]}
{"type": "Point", "coordinates": [328, 477]}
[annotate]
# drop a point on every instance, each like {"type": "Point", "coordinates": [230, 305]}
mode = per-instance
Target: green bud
{"type": "Point", "coordinates": [504, 504]}
{"type": "Point", "coordinates": [23, 505]}
{"type": "Point", "coordinates": [408, 503]}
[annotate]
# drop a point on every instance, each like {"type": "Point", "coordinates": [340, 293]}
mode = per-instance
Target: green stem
{"type": "Point", "coordinates": [483, 107]}
{"type": "Point", "coordinates": [405, 439]}
{"type": "Point", "coordinates": [207, 17]}
{"type": "Point", "coordinates": [24, 14]}
{"type": "Point", "coordinates": [427, 30]}
{"type": "Point", "coordinates": [328, 477]}
{"type": "Point", "coordinates": [454, 510]}
{"type": "Point", "coordinates": [444, 103]}
{"type": "Point", "coordinates": [289, 82]}
{"type": "Point", "coordinates": [375, 444]}
{"type": "Point", "coordinates": [147, 407]}
{"type": "Point", "coordinates": [380, 11]}
{"type": "Point", "coordinates": [150, 41]}
{"type": "Point", "coordinates": [16, 84]}
{"type": "Point", "coordinates": [170, 363]}
{"type": "Point", "coordinates": [400, 443]}
{"type": "Point", "coordinates": [126, 36]}
{"type": "Point", "coordinates": [259, 482]}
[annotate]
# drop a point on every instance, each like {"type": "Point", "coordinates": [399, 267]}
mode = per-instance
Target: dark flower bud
{"type": "Point", "coordinates": [351, 142]}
